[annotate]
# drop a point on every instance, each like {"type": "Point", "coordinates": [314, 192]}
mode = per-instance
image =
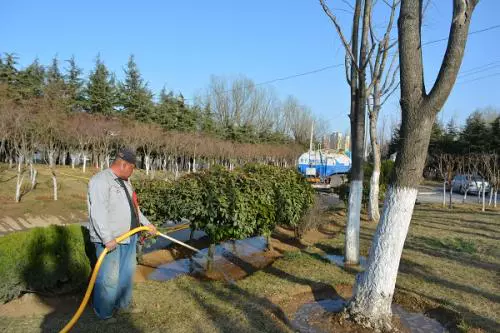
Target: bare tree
{"type": "Point", "coordinates": [357, 55]}
{"type": "Point", "coordinates": [447, 166]}
{"type": "Point", "coordinates": [374, 288]}
{"type": "Point", "coordinates": [383, 85]}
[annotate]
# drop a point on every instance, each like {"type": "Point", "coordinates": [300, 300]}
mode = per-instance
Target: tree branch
{"type": "Point", "coordinates": [333, 18]}
{"type": "Point", "coordinates": [462, 13]}
{"type": "Point", "coordinates": [410, 52]}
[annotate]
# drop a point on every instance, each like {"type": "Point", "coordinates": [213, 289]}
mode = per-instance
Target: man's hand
{"type": "Point", "coordinates": [152, 229]}
{"type": "Point", "coordinates": [111, 245]}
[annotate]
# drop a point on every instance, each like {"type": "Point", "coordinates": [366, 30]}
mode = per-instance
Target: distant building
{"type": "Point", "coordinates": [336, 139]}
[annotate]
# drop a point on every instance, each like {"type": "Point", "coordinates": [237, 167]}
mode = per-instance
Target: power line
{"type": "Point", "coordinates": [479, 78]}
{"type": "Point", "coordinates": [325, 68]}
{"type": "Point", "coordinates": [461, 75]}
{"type": "Point", "coordinates": [470, 33]}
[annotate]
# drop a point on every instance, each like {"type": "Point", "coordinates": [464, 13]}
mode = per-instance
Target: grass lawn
{"type": "Point", "coordinates": [449, 270]}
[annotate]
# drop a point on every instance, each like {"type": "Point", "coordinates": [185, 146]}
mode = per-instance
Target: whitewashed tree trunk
{"type": "Point", "coordinates": [484, 197]}
{"type": "Point", "coordinates": [176, 170]}
{"type": "Point", "coordinates": [54, 184]}
{"type": "Point", "coordinates": [490, 201]}
{"type": "Point", "coordinates": [189, 166]}
{"type": "Point", "coordinates": [353, 223]}
{"type": "Point", "coordinates": [19, 184]}
{"type": "Point", "coordinates": [84, 167]}
{"type": "Point", "coordinates": [20, 161]}
{"type": "Point", "coordinates": [444, 193]}
{"type": "Point", "coordinates": [33, 179]}
{"type": "Point", "coordinates": [495, 199]}
{"type": "Point", "coordinates": [451, 197]}
{"type": "Point", "coordinates": [51, 158]}
{"type": "Point", "coordinates": [374, 288]}
{"type": "Point", "coordinates": [194, 163]}
{"type": "Point", "coordinates": [147, 162]}
{"type": "Point", "coordinates": [108, 160]}
{"type": "Point", "coordinates": [465, 194]}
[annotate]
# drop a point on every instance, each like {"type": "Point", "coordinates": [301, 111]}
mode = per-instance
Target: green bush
{"type": "Point", "coordinates": [44, 260]}
{"type": "Point", "coordinates": [231, 204]}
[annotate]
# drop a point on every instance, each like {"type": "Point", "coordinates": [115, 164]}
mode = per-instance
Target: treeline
{"type": "Point", "coordinates": [480, 134]}
{"type": "Point", "coordinates": [57, 117]}
{"type": "Point", "coordinates": [236, 110]}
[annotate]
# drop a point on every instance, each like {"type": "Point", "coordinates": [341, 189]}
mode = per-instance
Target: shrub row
{"type": "Point", "coordinates": [44, 260]}
{"type": "Point", "coordinates": [230, 204]}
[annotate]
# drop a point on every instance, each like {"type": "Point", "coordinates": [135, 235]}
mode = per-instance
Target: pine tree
{"type": "Point", "coordinates": [55, 88]}
{"type": "Point", "coordinates": [74, 84]}
{"type": "Point", "coordinates": [186, 117]}
{"type": "Point", "coordinates": [135, 97]}
{"type": "Point", "coordinates": [10, 75]}
{"type": "Point", "coordinates": [207, 123]}
{"type": "Point", "coordinates": [166, 110]}
{"type": "Point", "coordinates": [495, 135]}
{"type": "Point", "coordinates": [475, 135]}
{"type": "Point", "coordinates": [32, 80]}
{"type": "Point", "coordinates": [101, 92]}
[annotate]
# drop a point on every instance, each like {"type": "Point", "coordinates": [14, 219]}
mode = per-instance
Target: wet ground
{"type": "Point", "coordinates": [339, 260]}
{"type": "Point", "coordinates": [232, 261]}
{"type": "Point", "coordinates": [311, 318]}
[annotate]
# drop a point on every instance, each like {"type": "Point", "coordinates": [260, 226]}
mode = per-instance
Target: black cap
{"type": "Point", "coordinates": [126, 154]}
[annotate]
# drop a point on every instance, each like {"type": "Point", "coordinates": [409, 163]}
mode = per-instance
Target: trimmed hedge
{"type": "Point", "coordinates": [230, 204]}
{"type": "Point", "coordinates": [44, 260]}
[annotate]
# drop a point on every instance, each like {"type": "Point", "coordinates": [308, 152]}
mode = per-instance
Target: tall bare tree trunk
{"type": "Point", "coordinates": [54, 183]}
{"type": "Point", "coordinates": [84, 167]}
{"type": "Point", "coordinates": [373, 210]}
{"type": "Point", "coordinates": [444, 193]}
{"type": "Point", "coordinates": [374, 288]}
{"type": "Point", "coordinates": [357, 116]}
{"type": "Point", "coordinates": [33, 179]}
{"type": "Point", "coordinates": [450, 206]}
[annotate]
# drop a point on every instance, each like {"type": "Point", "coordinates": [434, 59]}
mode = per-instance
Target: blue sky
{"type": "Point", "coordinates": [179, 44]}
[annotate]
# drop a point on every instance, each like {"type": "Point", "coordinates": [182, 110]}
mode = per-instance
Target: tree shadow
{"type": "Point", "coordinates": [455, 231]}
{"type": "Point", "coordinates": [451, 318]}
{"type": "Point", "coordinates": [456, 223]}
{"type": "Point", "coordinates": [261, 315]}
{"type": "Point", "coordinates": [415, 269]}
{"type": "Point", "coordinates": [417, 244]}
{"type": "Point", "coordinates": [57, 267]}
{"type": "Point", "coordinates": [319, 289]}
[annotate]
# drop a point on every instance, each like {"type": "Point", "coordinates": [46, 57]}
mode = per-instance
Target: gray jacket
{"type": "Point", "coordinates": [108, 207]}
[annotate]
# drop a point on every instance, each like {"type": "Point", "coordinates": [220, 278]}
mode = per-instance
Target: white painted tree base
{"type": "Point", "coordinates": [374, 288]}
{"type": "Point", "coordinates": [353, 221]}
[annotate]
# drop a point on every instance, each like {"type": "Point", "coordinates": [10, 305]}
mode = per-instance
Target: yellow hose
{"type": "Point", "coordinates": [98, 264]}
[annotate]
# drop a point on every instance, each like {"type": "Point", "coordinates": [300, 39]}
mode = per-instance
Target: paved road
{"type": "Point", "coordinates": [430, 194]}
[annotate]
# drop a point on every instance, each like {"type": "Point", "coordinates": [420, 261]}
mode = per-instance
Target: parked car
{"type": "Point", "coordinates": [471, 183]}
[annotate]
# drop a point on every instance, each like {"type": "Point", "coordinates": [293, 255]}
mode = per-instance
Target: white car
{"type": "Point", "coordinates": [471, 184]}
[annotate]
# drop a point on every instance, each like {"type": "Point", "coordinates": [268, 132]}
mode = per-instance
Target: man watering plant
{"type": "Point", "coordinates": [113, 210]}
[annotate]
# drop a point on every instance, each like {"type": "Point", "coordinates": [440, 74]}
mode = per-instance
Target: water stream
{"type": "Point", "coordinates": [233, 260]}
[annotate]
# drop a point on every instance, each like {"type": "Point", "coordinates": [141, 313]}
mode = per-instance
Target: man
{"type": "Point", "coordinates": [112, 212]}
